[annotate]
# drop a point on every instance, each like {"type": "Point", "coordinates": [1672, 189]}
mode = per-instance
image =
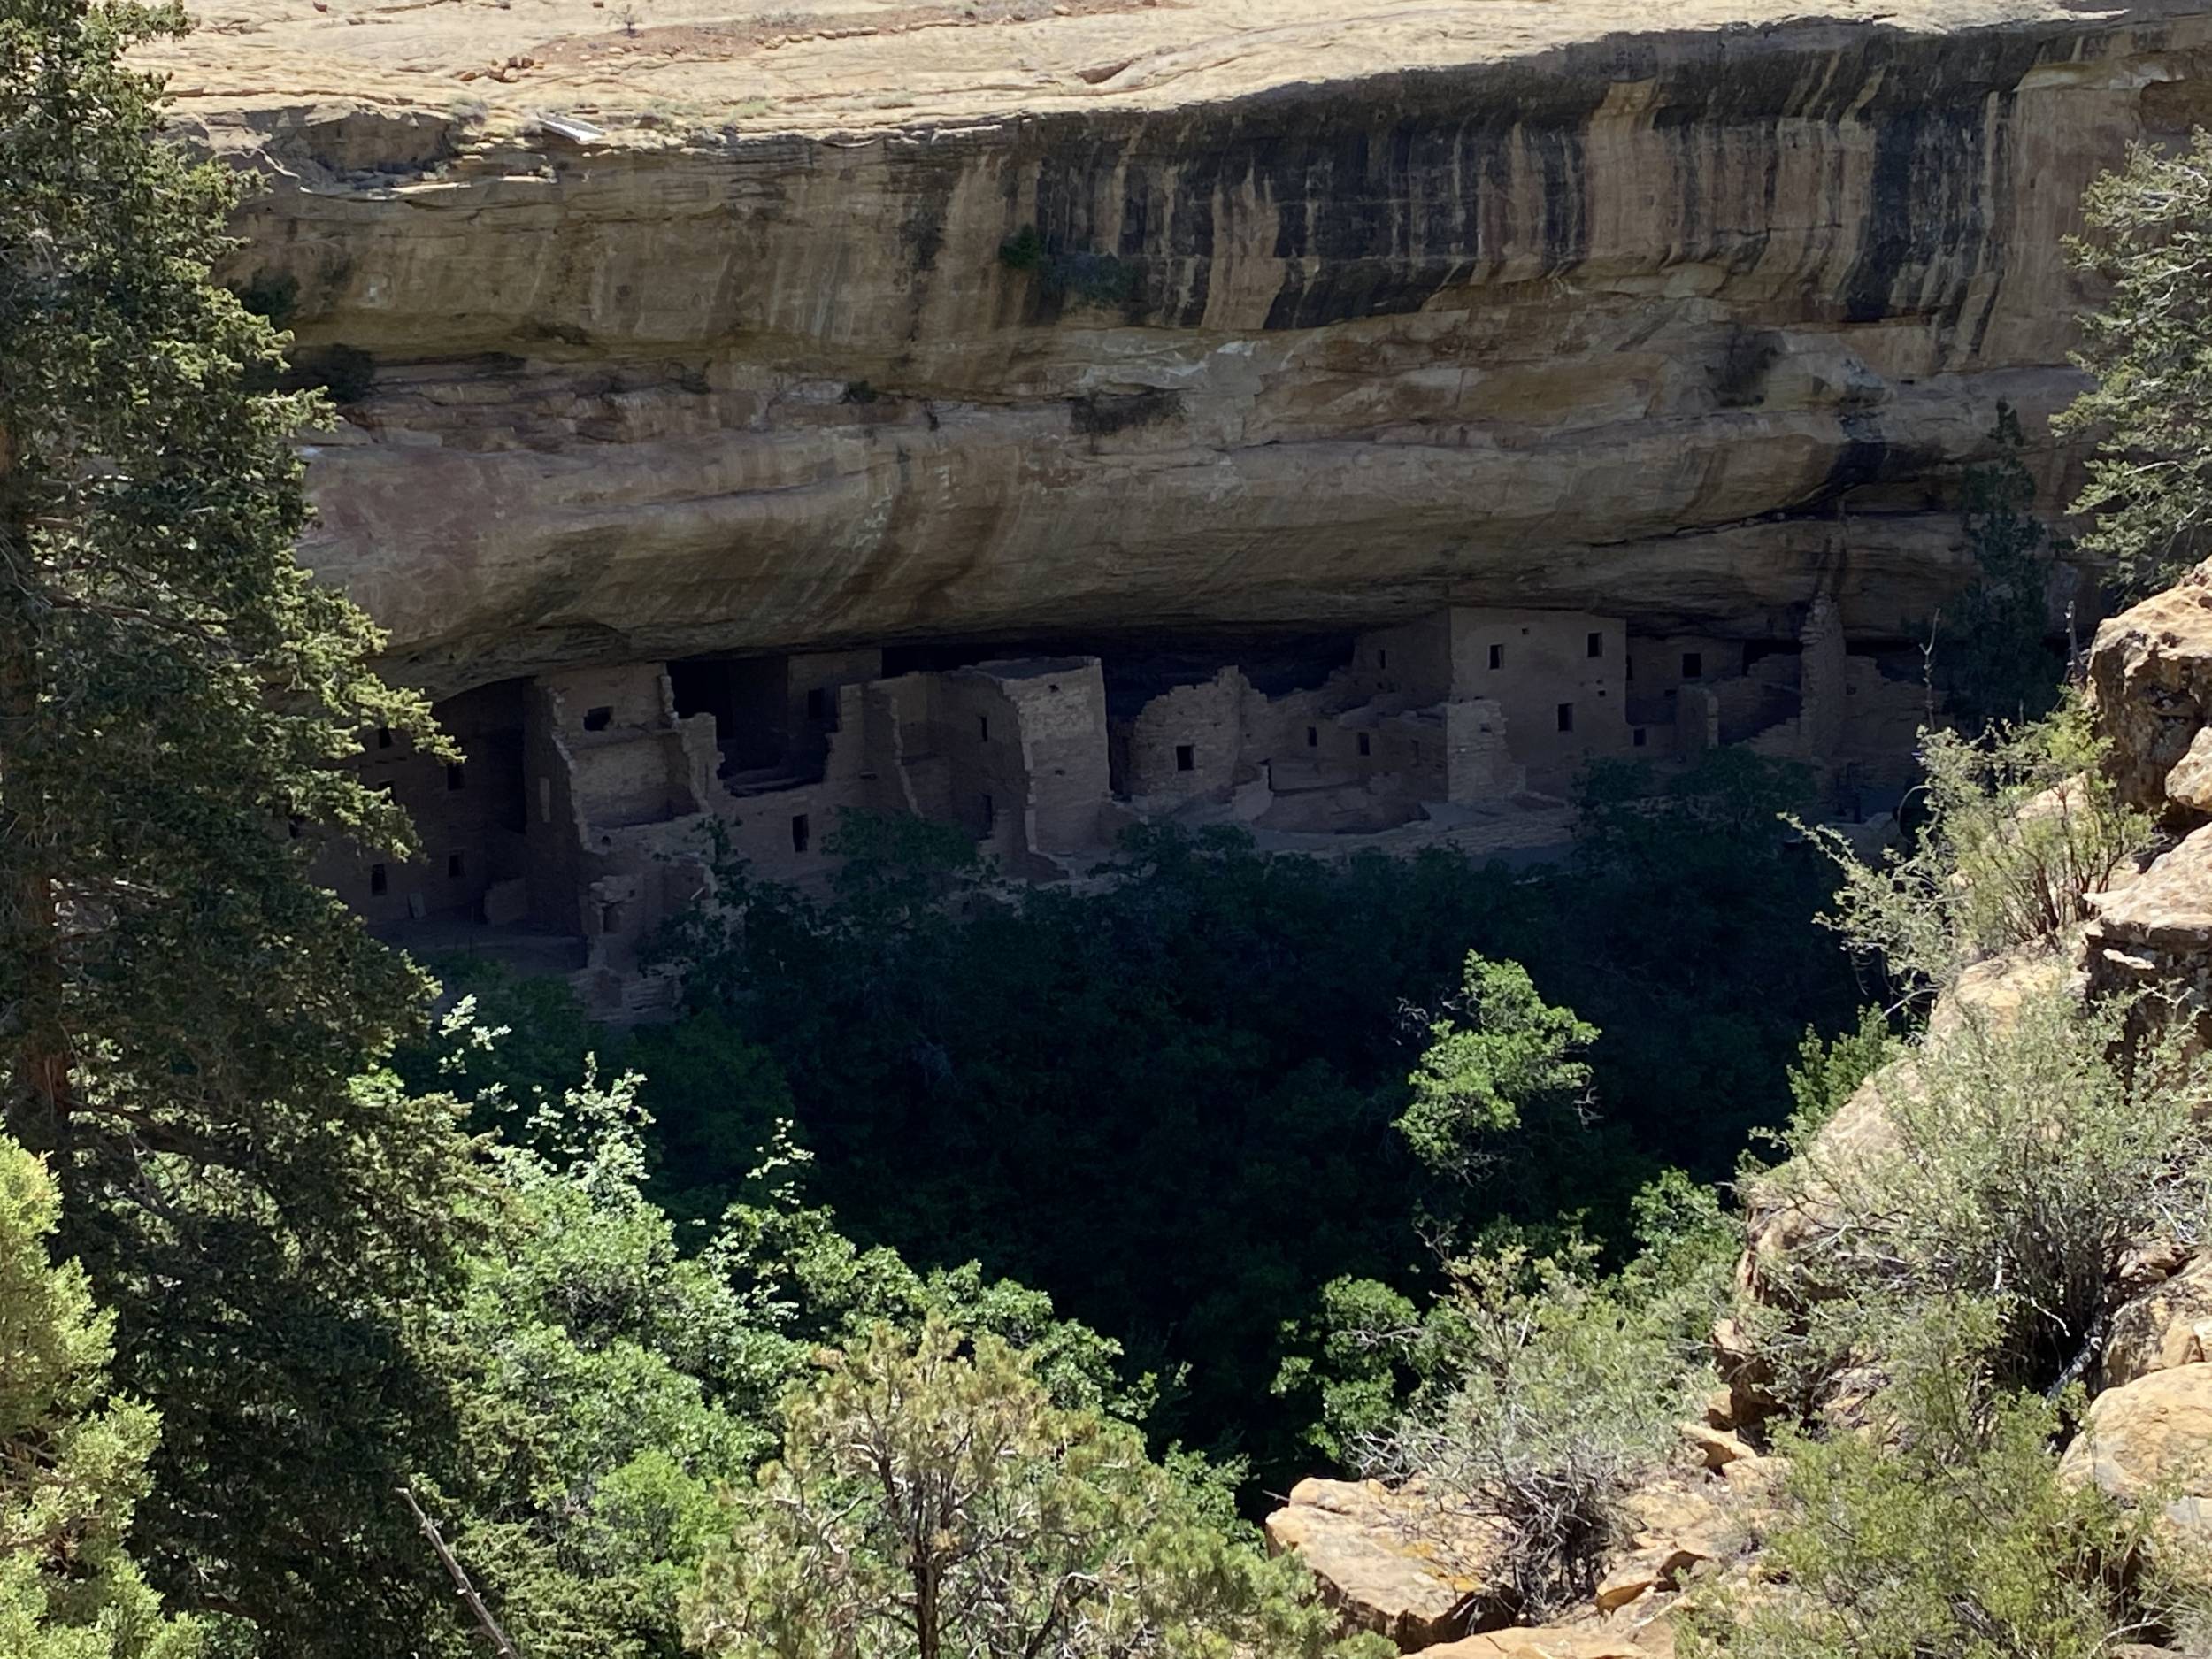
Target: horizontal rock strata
{"type": "Point", "coordinates": [1277, 323]}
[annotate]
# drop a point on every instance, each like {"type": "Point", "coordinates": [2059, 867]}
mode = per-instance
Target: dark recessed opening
{"type": "Point", "coordinates": [1313, 737]}
{"type": "Point", "coordinates": [384, 737]}
{"type": "Point", "coordinates": [1186, 757]}
{"type": "Point", "coordinates": [990, 814]}
{"type": "Point", "coordinates": [457, 775]}
{"type": "Point", "coordinates": [1364, 746]}
{"type": "Point", "coordinates": [598, 719]}
{"type": "Point", "coordinates": [817, 703]}
{"type": "Point", "coordinates": [1566, 717]}
{"type": "Point", "coordinates": [456, 865]}
{"type": "Point", "coordinates": [1382, 659]}
{"type": "Point", "coordinates": [1693, 664]}
{"type": "Point", "coordinates": [1594, 645]}
{"type": "Point", "coordinates": [801, 832]}
{"type": "Point", "coordinates": [1640, 737]}
{"type": "Point", "coordinates": [1497, 657]}
{"type": "Point", "coordinates": [379, 880]}
{"type": "Point", "coordinates": [983, 726]}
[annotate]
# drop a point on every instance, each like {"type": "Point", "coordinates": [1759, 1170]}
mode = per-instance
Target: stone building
{"type": "Point", "coordinates": [585, 811]}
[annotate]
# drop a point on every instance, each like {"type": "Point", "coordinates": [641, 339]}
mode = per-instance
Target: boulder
{"type": "Point", "coordinates": [1389, 1562]}
{"type": "Point", "coordinates": [1715, 1447]}
{"type": "Point", "coordinates": [2152, 1438]}
{"type": "Point", "coordinates": [2150, 680]}
{"type": "Point", "coordinates": [2168, 1325]}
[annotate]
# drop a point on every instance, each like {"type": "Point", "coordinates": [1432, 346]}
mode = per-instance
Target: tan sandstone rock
{"type": "Point", "coordinates": [2152, 1437]}
{"type": "Point", "coordinates": [1385, 1560]}
{"type": "Point", "coordinates": [1531, 1642]}
{"type": "Point", "coordinates": [2150, 678]}
{"type": "Point", "coordinates": [695, 334]}
{"type": "Point", "coordinates": [2167, 1325]}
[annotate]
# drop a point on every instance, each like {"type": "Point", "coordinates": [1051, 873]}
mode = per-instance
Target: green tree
{"type": "Point", "coordinates": [72, 1456]}
{"type": "Point", "coordinates": [185, 1013]}
{"type": "Point", "coordinates": [1501, 1056]}
{"type": "Point", "coordinates": [1993, 659]}
{"type": "Point", "coordinates": [2150, 483]}
{"type": "Point", "coordinates": [932, 1501]}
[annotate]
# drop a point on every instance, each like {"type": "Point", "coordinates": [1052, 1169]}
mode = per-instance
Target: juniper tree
{"type": "Point", "coordinates": [185, 1012]}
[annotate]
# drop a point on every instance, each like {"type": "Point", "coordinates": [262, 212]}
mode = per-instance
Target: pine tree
{"type": "Point", "coordinates": [72, 1461]}
{"type": "Point", "coordinates": [186, 1014]}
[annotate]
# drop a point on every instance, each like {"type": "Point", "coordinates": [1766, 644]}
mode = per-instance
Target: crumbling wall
{"type": "Point", "coordinates": [1478, 763]}
{"type": "Point", "coordinates": [1188, 743]}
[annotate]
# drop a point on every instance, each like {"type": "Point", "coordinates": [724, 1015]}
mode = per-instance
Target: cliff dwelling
{"type": "Point", "coordinates": [580, 818]}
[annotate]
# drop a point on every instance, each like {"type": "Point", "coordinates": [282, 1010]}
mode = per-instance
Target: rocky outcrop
{"type": "Point", "coordinates": [1387, 1560]}
{"type": "Point", "coordinates": [2150, 677]}
{"type": "Point", "coordinates": [2167, 1325]}
{"type": "Point", "coordinates": [668, 330]}
{"type": "Point", "coordinates": [2151, 1439]}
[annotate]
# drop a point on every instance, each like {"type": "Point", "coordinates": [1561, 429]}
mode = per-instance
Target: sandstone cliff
{"type": "Point", "coordinates": [1327, 315]}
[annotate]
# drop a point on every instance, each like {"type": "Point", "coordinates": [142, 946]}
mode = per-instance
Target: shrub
{"type": "Point", "coordinates": [1549, 1389]}
{"type": "Point", "coordinates": [2015, 1166]}
{"type": "Point", "coordinates": [2021, 828]}
{"type": "Point", "coordinates": [1945, 1531]}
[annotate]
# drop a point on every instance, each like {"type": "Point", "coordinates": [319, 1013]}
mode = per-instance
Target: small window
{"type": "Point", "coordinates": [801, 832]}
{"type": "Point", "coordinates": [990, 814]}
{"type": "Point", "coordinates": [384, 737]}
{"type": "Point", "coordinates": [1364, 746]}
{"type": "Point", "coordinates": [457, 776]}
{"type": "Point", "coordinates": [379, 880]}
{"type": "Point", "coordinates": [1382, 659]}
{"type": "Point", "coordinates": [1497, 657]}
{"type": "Point", "coordinates": [817, 703]}
{"type": "Point", "coordinates": [599, 718]}
{"type": "Point", "coordinates": [457, 865]}
{"type": "Point", "coordinates": [1594, 645]}
{"type": "Point", "coordinates": [1566, 717]}
{"type": "Point", "coordinates": [1640, 737]}
{"type": "Point", "coordinates": [1313, 737]}
{"type": "Point", "coordinates": [1186, 757]}
{"type": "Point", "coordinates": [295, 826]}
{"type": "Point", "coordinates": [983, 726]}
{"type": "Point", "coordinates": [1693, 664]}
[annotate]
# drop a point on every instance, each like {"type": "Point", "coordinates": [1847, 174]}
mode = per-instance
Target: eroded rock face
{"type": "Point", "coordinates": [1516, 308]}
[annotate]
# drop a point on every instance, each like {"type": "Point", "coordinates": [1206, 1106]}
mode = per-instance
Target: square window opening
{"type": "Point", "coordinates": [599, 718]}
{"type": "Point", "coordinates": [1594, 645]}
{"type": "Point", "coordinates": [384, 737]}
{"type": "Point", "coordinates": [817, 703]}
{"type": "Point", "coordinates": [380, 880]}
{"type": "Point", "coordinates": [457, 865]}
{"type": "Point", "coordinates": [1640, 737]}
{"type": "Point", "coordinates": [1566, 717]}
{"type": "Point", "coordinates": [1186, 757]}
{"type": "Point", "coordinates": [1693, 664]}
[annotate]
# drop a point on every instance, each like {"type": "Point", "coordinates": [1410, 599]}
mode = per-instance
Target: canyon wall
{"type": "Point", "coordinates": [1493, 303]}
